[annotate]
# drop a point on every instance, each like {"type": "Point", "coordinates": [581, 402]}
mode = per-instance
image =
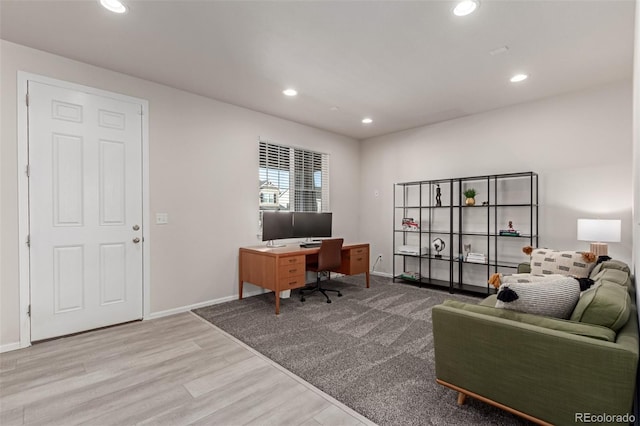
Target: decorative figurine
{"type": "Point", "coordinates": [438, 245]}
{"type": "Point", "coordinates": [510, 228]}
{"type": "Point", "coordinates": [438, 196]}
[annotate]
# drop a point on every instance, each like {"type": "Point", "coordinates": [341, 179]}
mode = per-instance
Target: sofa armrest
{"type": "Point", "coordinates": [547, 374]}
{"type": "Point", "coordinates": [524, 268]}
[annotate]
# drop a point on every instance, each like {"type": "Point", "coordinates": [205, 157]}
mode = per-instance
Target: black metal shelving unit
{"type": "Point", "coordinates": [505, 196]}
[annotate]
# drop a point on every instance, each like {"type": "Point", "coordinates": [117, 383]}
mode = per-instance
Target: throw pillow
{"type": "Point", "coordinates": [552, 297]}
{"type": "Point", "coordinates": [607, 304]}
{"type": "Point", "coordinates": [545, 261]}
{"type": "Point", "coordinates": [528, 278]}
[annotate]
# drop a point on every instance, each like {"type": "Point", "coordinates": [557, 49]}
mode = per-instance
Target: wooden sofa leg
{"type": "Point", "coordinates": [461, 398]}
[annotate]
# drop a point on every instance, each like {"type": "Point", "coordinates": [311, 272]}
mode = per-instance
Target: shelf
{"type": "Point", "coordinates": [423, 232]}
{"type": "Point", "coordinates": [424, 256]}
{"type": "Point", "coordinates": [513, 195]}
{"type": "Point", "coordinates": [484, 234]}
{"type": "Point", "coordinates": [475, 289]}
{"type": "Point", "coordinates": [497, 205]}
{"type": "Point", "coordinates": [424, 281]}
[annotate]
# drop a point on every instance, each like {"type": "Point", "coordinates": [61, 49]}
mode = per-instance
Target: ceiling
{"type": "Point", "coordinates": [402, 63]}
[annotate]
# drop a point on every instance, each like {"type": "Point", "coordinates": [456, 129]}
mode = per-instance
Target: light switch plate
{"type": "Point", "coordinates": [162, 218]}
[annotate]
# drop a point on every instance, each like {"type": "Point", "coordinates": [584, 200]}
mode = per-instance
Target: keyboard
{"type": "Point", "coordinates": [310, 245]}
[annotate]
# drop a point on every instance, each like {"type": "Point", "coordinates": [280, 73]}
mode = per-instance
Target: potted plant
{"type": "Point", "coordinates": [470, 194]}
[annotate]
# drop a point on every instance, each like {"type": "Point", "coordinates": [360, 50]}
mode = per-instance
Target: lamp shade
{"type": "Point", "coordinates": [601, 230]}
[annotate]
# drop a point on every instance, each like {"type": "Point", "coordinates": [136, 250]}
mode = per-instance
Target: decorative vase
{"type": "Point", "coordinates": [470, 202]}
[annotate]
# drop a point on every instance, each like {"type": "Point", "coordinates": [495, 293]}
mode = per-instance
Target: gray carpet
{"type": "Point", "coordinates": [371, 349]}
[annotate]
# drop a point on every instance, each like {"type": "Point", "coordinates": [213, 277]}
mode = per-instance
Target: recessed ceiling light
{"type": "Point", "coordinates": [114, 6]}
{"type": "Point", "coordinates": [367, 120]}
{"type": "Point", "coordinates": [290, 92]}
{"type": "Point", "coordinates": [465, 7]}
{"type": "Point", "coordinates": [518, 77]}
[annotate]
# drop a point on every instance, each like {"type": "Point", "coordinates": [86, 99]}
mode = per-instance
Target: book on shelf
{"type": "Point", "coordinates": [410, 275]}
{"type": "Point", "coordinates": [412, 250]}
{"type": "Point", "coordinates": [408, 224]}
{"type": "Point", "coordinates": [509, 232]}
{"type": "Point", "coordinates": [476, 258]}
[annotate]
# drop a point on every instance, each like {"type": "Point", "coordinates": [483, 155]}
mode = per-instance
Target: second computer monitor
{"type": "Point", "coordinates": [310, 225]}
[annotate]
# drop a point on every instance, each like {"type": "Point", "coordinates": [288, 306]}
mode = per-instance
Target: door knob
{"type": "Point", "coordinates": [136, 240]}
{"type": "Point", "coordinates": [136, 227]}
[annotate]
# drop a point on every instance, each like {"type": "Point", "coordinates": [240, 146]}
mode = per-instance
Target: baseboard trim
{"type": "Point", "coordinates": [382, 274]}
{"type": "Point", "coordinates": [10, 347]}
{"type": "Point", "coordinates": [181, 309]}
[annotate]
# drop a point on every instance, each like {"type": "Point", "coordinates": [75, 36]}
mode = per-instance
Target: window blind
{"type": "Point", "coordinates": [293, 179]}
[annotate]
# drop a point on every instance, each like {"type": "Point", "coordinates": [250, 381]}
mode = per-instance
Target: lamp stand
{"type": "Point", "coordinates": [599, 249]}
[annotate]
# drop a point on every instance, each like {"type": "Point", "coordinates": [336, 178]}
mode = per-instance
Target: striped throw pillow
{"type": "Point", "coordinates": [555, 297]}
{"type": "Point", "coordinates": [545, 261]}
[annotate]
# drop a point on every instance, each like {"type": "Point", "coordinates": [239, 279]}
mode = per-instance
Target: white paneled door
{"type": "Point", "coordinates": [85, 210]}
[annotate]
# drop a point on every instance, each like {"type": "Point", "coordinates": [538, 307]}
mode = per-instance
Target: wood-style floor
{"type": "Point", "coordinates": [174, 370]}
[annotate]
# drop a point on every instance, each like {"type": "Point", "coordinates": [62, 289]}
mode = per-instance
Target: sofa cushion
{"type": "Point", "coordinates": [546, 261]}
{"type": "Point", "coordinates": [580, 329]}
{"type": "Point", "coordinates": [617, 276]}
{"type": "Point", "coordinates": [607, 304]}
{"type": "Point", "coordinates": [610, 264]}
{"type": "Point", "coordinates": [555, 296]}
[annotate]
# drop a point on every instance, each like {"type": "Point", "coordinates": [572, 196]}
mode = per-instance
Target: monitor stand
{"type": "Point", "coordinates": [270, 243]}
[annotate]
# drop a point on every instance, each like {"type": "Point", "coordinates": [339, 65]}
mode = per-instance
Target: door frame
{"type": "Point", "coordinates": [23, 192]}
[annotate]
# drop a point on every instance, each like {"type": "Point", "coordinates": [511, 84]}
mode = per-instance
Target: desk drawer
{"type": "Point", "coordinates": [359, 251]}
{"type": "Point", "coordinates": [358, 260]}
{"type": "Point", "coordinates": [291, 260]}
{"type": "Point", "coordinates": [289, 283]}
{"type": "Point", "coordinates": [291, 270]}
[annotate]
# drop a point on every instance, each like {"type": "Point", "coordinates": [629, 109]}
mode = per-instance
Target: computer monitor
{"type": "Point", "coordinates": [276, 225]}
{"type": "Point", "coordinates": [309, 224]}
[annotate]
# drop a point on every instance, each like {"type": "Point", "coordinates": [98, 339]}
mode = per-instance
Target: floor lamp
{"type": "Point", "coordinates": [599, 232]}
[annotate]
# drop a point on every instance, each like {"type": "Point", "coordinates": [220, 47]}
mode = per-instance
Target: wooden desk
{"type": "Point", "coordinates": [284, 268]}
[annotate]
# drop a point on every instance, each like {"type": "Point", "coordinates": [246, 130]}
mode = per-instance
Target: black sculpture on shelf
{"type": "Point", "coordinates": [438, 245]}
{"type": "Point", "coordinates": [438, 196]}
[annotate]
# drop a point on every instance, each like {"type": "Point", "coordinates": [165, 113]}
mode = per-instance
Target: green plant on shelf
{"type": "Point", "coordinates": [470, 193]}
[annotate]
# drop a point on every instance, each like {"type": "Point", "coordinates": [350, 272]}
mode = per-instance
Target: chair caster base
{"type": "Point", "coordinates": [328, 301]}
{"type": "Point", "coordinates": [339, 294]}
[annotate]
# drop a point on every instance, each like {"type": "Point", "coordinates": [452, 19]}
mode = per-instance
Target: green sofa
{"type": "Point", "coordinates": [548, 370]}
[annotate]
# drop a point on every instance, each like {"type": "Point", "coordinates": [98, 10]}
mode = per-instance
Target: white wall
{"type": "Point", "coordinates": [636, 178]}
{"type": "Point", "coordinates": [636, 148]}
{"type": "Point", "coordinates": [203, 172]}
{"type": "Point", "coordinates": [579, 143]}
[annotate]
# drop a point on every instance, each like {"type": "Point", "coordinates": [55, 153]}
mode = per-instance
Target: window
{"type": "Point", "coordinates": [293, 179]}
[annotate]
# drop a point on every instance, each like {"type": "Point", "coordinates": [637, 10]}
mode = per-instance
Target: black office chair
{"type": "Point", "coordinates": [329, 258]}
